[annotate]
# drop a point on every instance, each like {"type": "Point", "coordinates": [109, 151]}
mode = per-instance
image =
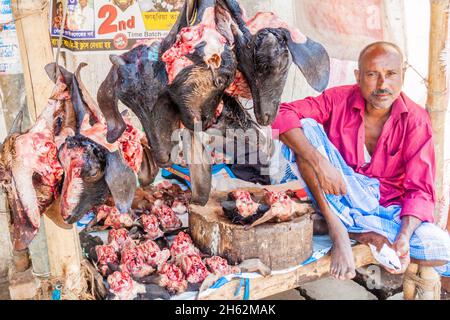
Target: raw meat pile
{"type": "Point", "coordinates": [155, 210]}
{"type": "Point", "coordinates": [278, 206]}
{"type": "Point", "coordinates": [126, 263]}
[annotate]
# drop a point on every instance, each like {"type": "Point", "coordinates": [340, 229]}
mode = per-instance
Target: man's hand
{"type": "Point", "coordinates": [401, 247]}
{"type": "Point", "coordinates": [330, 179]}
{"type": "Point", "coordinates": [401, 244]}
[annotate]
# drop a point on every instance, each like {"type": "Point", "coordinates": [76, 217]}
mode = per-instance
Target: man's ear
{"type": "Point", "coordinates": [356, 71]}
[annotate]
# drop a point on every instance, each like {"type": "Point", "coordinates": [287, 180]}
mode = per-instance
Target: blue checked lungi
{"type": "Point", "coordinates": [359, 209]}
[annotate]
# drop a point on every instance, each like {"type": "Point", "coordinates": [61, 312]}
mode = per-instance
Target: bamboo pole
{"type": "Point", "coordinates": [34, 40]}
{"type": "Point", "coordinates": [437, 102]}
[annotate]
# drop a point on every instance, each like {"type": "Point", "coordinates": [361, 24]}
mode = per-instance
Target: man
{"type": "Point", "coordinates": [372, 174]}
{"type": "Point", "coordinates": [84, 16]}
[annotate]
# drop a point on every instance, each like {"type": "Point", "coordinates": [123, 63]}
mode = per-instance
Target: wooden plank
{"type": "Point", "coordinates": [437, 102]}
{"type": "Point", "coordinates": [34, 41]}
{"type": "Point", "coordinates": [273, 284]}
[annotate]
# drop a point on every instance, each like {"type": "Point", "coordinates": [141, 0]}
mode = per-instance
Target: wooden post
{"type": "Point", "coordinates": [437, 102]}
{"type": "Point", "coordinates": [34, 40]}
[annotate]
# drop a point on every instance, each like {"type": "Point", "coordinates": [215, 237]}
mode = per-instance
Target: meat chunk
{"type": "Point", "coordinates": [193, 268]}
{"type": "Point", "coordinates": [169, 221]}
{"type": "Point", "coordinates": [106, 254]}
{"type": "Point", "coordinates": [219, 266]}
{"type": "Point", "coordinates": [122, 285]}
{"type": "Point", "coordinates": [183, 244]}
{"type": "Point", "coordinates": [113, 218]}
{"type": "Point", "coordinates": [172, 278]}
{"type": "Point", "coordinates": [282, 208]}
{"type": "Point", "coordinates": [151, 226]}
{"type": "Point", "coordinates": [118, 238]}
{"type": "Point", "coordinates": [153, 255]}
{"type": "Point", "coordinates": [133, 261]}
{"type": "Point", "coordinates": [244, 203]}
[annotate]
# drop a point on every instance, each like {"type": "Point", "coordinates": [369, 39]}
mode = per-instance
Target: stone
{"type": "Point", "coordinates": [398, 296]}
{"type": "Point", "coordinates": [378, 281]}
{"type": "Point", "coordinates": [23, 285]}
{"type": "Point", "coordinates": [293, 294]}
{"type": "Point", "coordinates": [333, 289]}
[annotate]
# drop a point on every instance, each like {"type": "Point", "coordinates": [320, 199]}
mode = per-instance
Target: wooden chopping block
{"type": "Point", "coordinates": [278, 245]}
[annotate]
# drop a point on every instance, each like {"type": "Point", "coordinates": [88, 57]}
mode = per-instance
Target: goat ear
{"type": "Point", "coordinates": [200, 173]}
{"type": "Point", "coordinates": [117, 60]}
{"type": "Point", "coordinates": [17, 124]}
{"type": "Point", "coordinates": [312, 59]}
{"type": "Point", "coordinates": [52, 73]}
{"type": "Point", "coordinates": [149, 169]}
{"type": "Point", "coordinates": [121, 181]}
{"type": "Point", "coordinates": [78, 104]}
{"type": "Point", "coordinates": [108, 103]}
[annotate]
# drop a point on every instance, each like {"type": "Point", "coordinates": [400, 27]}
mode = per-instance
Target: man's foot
{"type": "Point", "coordinates": [342, 262]}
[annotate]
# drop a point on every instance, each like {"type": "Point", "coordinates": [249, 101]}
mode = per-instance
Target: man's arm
{"type": "Point", "coordinates": [419, 199]}
{"type": "Point", "coordinates": [329, 177]}
{"type": "Point", "coordinates": [287, 125]}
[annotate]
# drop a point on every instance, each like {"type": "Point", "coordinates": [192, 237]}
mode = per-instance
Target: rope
{"type": "Point", "coordinates": [30, 13]}
{"type": "Point", "coordinates": [61, 32]}
{"type": "Point", "coordinates": [423, 285]}
{"type": "Point", "coordinates": [424, 80]}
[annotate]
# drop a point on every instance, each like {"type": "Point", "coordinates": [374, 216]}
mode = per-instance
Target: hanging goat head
{"type": "Point", "coordinates": [265, 49]}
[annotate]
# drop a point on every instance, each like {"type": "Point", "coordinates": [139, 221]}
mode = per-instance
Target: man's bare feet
{"type": "Point", "coordinates": [342, 261]}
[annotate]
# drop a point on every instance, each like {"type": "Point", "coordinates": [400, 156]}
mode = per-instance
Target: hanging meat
{"type": "Point", "coordinates": [265, 48]}
{"type": "Point", "coordinates": [184, 78]}
{"type": "Point", "coordinates": [29, 168]}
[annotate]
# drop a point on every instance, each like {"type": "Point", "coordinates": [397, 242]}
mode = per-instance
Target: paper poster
{"type": "Point", "coordinates": [112, 25]}
{"type": "Point", "coordinates": [9, 46]}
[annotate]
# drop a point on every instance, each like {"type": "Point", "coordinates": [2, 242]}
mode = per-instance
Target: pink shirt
{"type": "Point", "coordinates": [403, 160]}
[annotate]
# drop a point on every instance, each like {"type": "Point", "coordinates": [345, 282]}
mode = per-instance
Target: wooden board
{"type": "Point", "coordinates": [267, 286]}
{"type": "Point", "coordinates": [278, 245]}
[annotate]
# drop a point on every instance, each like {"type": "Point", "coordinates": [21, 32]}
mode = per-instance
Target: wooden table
{"type": "Point", "coordinates": [267, 286]}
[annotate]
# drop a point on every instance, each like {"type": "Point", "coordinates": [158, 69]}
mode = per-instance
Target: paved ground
{"type": "Point", "coordinates": [323, 289]}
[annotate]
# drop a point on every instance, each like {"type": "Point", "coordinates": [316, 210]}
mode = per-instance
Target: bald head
{"type": "Point", "coordinates": [380, 46]}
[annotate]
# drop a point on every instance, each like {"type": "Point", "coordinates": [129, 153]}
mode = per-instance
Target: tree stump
{"type": "Point", "coordinates": [278, 245]}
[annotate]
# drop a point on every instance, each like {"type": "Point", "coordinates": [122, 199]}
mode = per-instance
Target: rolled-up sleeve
{"type": "Point", "coordinates": [420, 169]}
{"type": "Point", "coordinates": [288, 118]}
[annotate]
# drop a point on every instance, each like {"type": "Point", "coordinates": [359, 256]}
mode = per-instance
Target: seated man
{"type": "Point", "coordinates": [371, 168]}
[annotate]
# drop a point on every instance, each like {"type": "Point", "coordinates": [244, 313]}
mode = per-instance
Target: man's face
{"type": "Point", "coordinates": [380, 76]}
{"type": "Point", "coordinates": [83, 3]}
